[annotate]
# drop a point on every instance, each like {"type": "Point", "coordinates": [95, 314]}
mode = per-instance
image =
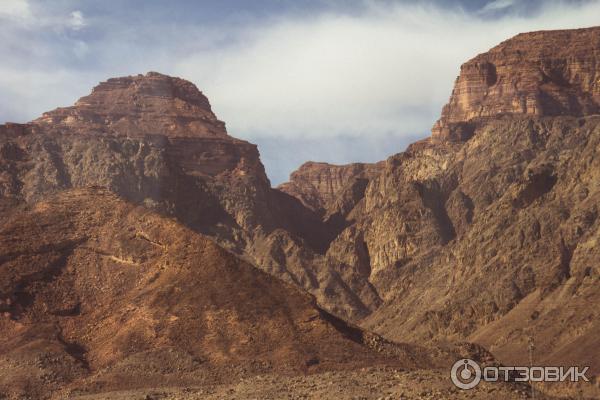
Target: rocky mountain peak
{"type": "Point", "coordinates": [544, 73]}
{"type": "Point", "coordinates": [139, 105]}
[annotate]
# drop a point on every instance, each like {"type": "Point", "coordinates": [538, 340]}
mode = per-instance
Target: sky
{"type": "Point", "coordinates": [321, 80]}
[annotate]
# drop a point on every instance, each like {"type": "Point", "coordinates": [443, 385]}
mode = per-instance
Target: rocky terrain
{"type": "Point", "coordinates": [330, 189]}
{"type": "Point", "coordinates": [98, 295]}
{"type": "Point", "coordinates": [487, 231]}
{"type": "Point", "coordinates": [381, 383]}
{"type": "Point", "coordinates": [140, 243]}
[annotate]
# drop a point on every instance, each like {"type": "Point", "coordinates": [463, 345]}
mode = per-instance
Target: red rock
{"type": "Point", "coordinates": [546, 73]}
{"type": "Point", "coordinates": [137, 106]}
{"type": "Point", "coordinates": [154, 140]}
{"type": "Point", "coordinates": [318, 185]}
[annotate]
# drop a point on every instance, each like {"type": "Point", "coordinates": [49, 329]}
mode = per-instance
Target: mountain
{"type": "Point", "coordinates": [329, 189]}
{"type": "Point", "coordinates": [154, 140]}
{"type": "Point", "coordinates": [487, 230]}
{"type": "Point", "coordinates": [546, 73]}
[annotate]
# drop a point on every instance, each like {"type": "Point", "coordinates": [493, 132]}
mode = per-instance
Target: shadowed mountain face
{"type": "Point", "coordinates": [485, 232]}
{"type": "Point", "coordinates": [329, 189]}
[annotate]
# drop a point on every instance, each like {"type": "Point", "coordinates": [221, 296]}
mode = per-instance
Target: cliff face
{"type": "Point", "coordinates": [138, 106]}
{"type": "Point", "coordinates": [485, 231]}
{"type": "Point", "coordinates": [492, 240]}
{"type": "Point", "coordinates": [319, 186]}
{"type": "Point", "coordinates": [548, 73]}
{"type": "Point", "coordinates": [133, 134]}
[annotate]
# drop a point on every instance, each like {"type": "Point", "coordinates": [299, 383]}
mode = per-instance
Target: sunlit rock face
{"type": "Point", "coordinates": [546, 73]}
{"type": "Point", "coordinates": [322, 186]}
{"type": "Point", "coordinates": [487, 231]}
{"type": "Point", "coordinates": [137, 106]}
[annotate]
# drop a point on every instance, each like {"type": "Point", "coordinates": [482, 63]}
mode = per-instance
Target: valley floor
{"type": "Point", "coordinates": [363, 384]}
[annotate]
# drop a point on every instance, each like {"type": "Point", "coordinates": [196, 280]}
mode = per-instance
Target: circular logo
{"type": "Point", "coordinates": [465, 374]}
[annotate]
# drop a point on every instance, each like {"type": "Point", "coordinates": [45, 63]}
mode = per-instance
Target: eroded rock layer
{"type": "Point", "coordinates": [138, 106]}
{"type": "Point", "coordinates": [321, 186]}
{"type": "Point", "coordinates": [486, 231]}
{"type": "Point", "coordinates": [540, 73]}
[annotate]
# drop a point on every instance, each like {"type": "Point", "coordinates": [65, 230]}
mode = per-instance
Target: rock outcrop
{"type": "Point", "coordinates": [486, 230]}
{"type": "Point", "coordinates": [151, 104]}
{"type": "Point", "coordinates": [546, 73]}
{"type": "Point", "coordinates": [322, 187]}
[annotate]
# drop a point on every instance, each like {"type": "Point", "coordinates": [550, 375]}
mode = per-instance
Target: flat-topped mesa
{"type": "Point", "coordinates": [545, 73]}
{"type": "Point", "coordinates": [136, 106]}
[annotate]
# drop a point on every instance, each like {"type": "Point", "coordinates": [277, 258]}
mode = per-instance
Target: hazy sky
{"type": "Point", "coordinates": [325, 80]}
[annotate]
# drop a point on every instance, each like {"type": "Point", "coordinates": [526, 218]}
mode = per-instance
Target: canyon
{"type": "Point", "coordinates": [141, 242]}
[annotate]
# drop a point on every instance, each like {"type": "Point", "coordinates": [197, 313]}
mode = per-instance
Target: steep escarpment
{"type": "Point", "coordinates": [496, 244]}
{"type": "Point", "coordinates": [138, 106]}
{"type": "Point", "coordinates": [154, 140]}
{"type": "Point", "coordinates": [546, 73]}
{"type": "Point", "coordinates": [134, 134]}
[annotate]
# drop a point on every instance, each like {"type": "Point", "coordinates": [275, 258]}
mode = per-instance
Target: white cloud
{"type": "Point", "coordinates": [76, 20]}
{"type": "Point", "coordinates": [21, 14]}
{"type": "Point", "coordinates": [387, 70]}
{"type": "Point", "coordinates": [19, 9]}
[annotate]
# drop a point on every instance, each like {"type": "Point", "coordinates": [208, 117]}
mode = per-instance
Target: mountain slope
{"type": "Point", "coordinates": [516, 226]}
{"type": "Point", "coordinates": [98, 294]}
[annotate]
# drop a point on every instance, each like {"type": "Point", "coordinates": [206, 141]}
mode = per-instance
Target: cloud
{"type": "Point", "coordinates": [386, 70]}
{"type": "Point", "coordinates": [27, 14]}
{"type": "Point", "coordinates": [76, 20]}
{"type": "Point", "coordinates": [497, 5]}
{"type": "Point", "coordinates": [18, 9]}
{"type": "Point", "coordinates": [350, 85]}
